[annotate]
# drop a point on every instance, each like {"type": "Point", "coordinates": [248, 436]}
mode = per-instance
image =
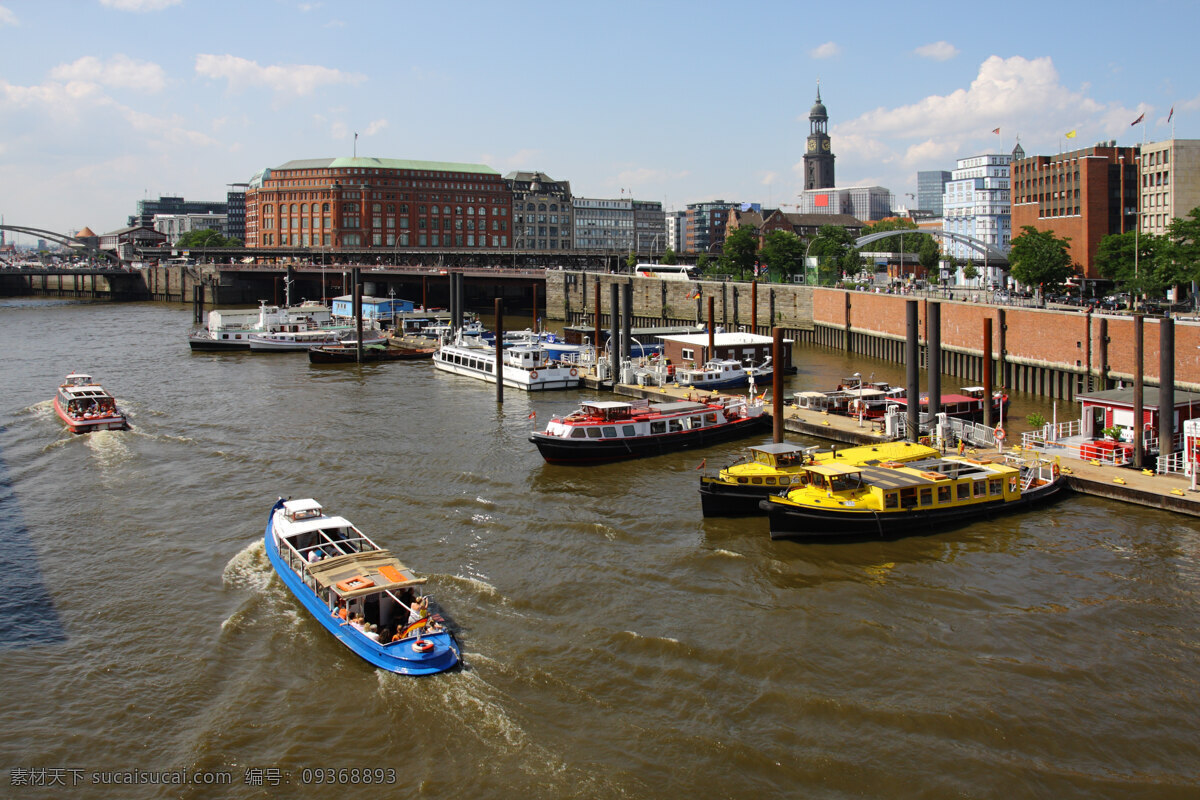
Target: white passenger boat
{"type": "Point", "coordinates": [231, 329]}
{"type": "Point", "coordinates": [723, 373]}
{"type": "Point", "coordinates": [302, 341]}
{"type": "Point", "coordinates": [356, 590]}
{"type": "Point", "coordinates": [86, 406]}
{"type": "Point", "coordinates": [524, 366]}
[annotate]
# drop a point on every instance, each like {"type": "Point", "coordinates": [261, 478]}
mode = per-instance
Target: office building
{"type": "Point", "coordinates": [148, 209]}
{"type": "Point", "coordinates": [542, 212]}
{"type": "Point", "coordinates": [1170, 183]}
{"type": "Point", "coordinates": [866, 203]}
{"type": "Point", "coordinates": [931, 184]}
{"type": "Point", "coordinates": [704, 228]}
{"type": "Point", "coordinates": [380, 204]}
{"type": "Point", "coordinates": [1083, 195]}
{"type": "Point", "coordinates": [235, 216]}
{"type": "Point", "coordinates": [977, 202]}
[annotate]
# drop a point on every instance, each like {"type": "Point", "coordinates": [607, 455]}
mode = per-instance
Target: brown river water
{"type": "Point", "coordinates": [616, 643]}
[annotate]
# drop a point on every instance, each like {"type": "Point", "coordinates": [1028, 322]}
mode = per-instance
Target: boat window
{"type": "Point", "coordinates": [743, 480]}
{"type": "Point", "coordinates": [927, 497]}
{"type": "Point", "coordinates": [890, 500]}
{"type": "Point", "coordinates": [711, 418]}
{"type": "Point", "coordinates": [908, 497]}
{"type": "Point", "coordinates": [610, 431]}
{"type": "Point", "coordinates": [770, 481]}
{"type": "Point", "coordinates": [628, 430]}
{"type": "Point", "coordinates": [964, 491]}
{"type": "Point", "coordinates": [658, 427]}
{"type": "Point", "coordinates": [578, 433]}
{"type": "Point", "coordinates": [995, 486]}
{"type": "Point", "coordinates": [943, 494]}
{"type": "Point", "coordinates": [593, 432]}
{"type": "Point", "coordinates": [756, 481]}
{"type": "Point", "coordinates": [980, 488]}
{"type": "Point", "coordinates": [697, 422]}
{"type": "Point", "coordinates": [674, 425]}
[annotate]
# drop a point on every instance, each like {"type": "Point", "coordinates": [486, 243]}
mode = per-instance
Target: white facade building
{"type": "Point", "coordinates": [1170, 182]}
{"type": "Point", "coordinates": [676, 226]}
{"type": "Point", "coordinates": [978, 203]}
{"type": "Point", "coordinates": [176, 225]}
{"type": "Point", "coordinates": [866, 203]}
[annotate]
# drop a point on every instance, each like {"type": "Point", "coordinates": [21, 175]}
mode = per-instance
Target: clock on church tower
{"type": "Point", "coordinates": [818, 160]}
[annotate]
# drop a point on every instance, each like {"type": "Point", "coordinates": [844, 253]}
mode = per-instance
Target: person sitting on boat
{"type": "Point", "coordinates": [315, 555]}
{"type": "Point", "coordinates": [371, 632]}
{"type": "Point", "coordinates": [359, 622]}
{"type": "Point", "coordinates": [419, 610]}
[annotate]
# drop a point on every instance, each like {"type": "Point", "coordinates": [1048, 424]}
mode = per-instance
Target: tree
{"type": "Point", "coordinates": [631, 261]}
{"type": "Point", "coordinates": [930, 253]}
{"type": "Point", "coordinates": [703, 264]}
{"type": "Point", "coordinates": [669, 257]}
{"type": "Point", "coordinates": [740, 252]}
{"type": "Point", "coordinates": [783, 253]}
{"type": "Point", "coordinates": [206, 237]}
{"type": "Point", "coordinates": [1115, 261]}
{"type": "Point", "coordinates": [970, 272]}
{"type": "Point", "coordinates": [1183, 248]}
{"type": "Point", "coordinates": [1039, 258]}
{"type": "Point", "coordinates": [833, 247]}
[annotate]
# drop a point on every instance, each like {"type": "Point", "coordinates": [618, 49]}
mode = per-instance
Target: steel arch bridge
{"type": "Point", "coordinates": [61, 238]}
{"type": "Point", "coordinates": [988, 251]}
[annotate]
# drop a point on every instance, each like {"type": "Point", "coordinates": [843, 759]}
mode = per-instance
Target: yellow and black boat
{"type": "Point", "coordinates": [890, 499]}
{"type": "Point", "coordinates": [737, 490]}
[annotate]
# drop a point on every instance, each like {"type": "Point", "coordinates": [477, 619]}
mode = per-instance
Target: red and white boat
{"type": "Point", "coordinates": [600, 431]}
{"type": "Point", "coordinates": [86, 406]}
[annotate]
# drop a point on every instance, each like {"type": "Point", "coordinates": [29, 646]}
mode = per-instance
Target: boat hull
{"type": "Point", "coordinates": [207, 344]}
{"type": "Point", "coordinates": [721, 499]}
{"type": "Point", "coordinates": [557, 450]}
{"type": "Point", "coordinates": [332, 355]}
{"type": "Point", "coordinates": [111, 422]}
{"type": "Point", "coordinates": [398, 657]}
{"type": "Point", "coordinates": [544, 379]}
{"type": "Point", "coordinates": [789, 521]}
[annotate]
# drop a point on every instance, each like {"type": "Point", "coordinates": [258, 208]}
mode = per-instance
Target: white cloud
{"type": "Point", "coordinates": [1189, 105]}
{"type": "Point", "coordinates": [827, 50]}
{"type": "Point", "coordinates": [7, 17]}
{"type": "Point", "coordinates": [140, 5]}
{"type": "Point", "coordinates": [375, 127]}
{"type": "Point", "coordinates": [286, 79]}
{"type": "Point", "coordinates": [120, 71]}
{"type": "Point", "coordinates": [307, 7]}
{"type": "Point", "coordinates": [339, 130]}
{"type": "Point", "coordinates": [769, 178]}
{"type": "Point", "coordinates": [938, 51]}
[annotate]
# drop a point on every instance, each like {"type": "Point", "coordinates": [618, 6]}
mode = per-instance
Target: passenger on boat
{"type": "Point", "coordinates": [419, 610]}
{"type": "Point", "coordinates": [315, 555]}
{"type": "Point", "coordinates": [371, 632]}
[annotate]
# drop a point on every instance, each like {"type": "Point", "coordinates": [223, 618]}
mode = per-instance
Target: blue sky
{"type": "Point", "coordinates": [105, 102]}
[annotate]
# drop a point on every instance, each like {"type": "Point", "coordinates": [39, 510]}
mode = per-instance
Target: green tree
{"type": "Point", "coordinates": [1041, 259]}
{"type": "Point", "coordinates": [833, 247]}
{"type": "Point", "coordinates": [783, 253]}
{"type": "Point", "coordinates": [970, 272]}
{"type": "Point", "coordinates": [703, 264]}
{"type": "Point", "coordinates": [206, 237]}
{"type": "Point", "coordinates": [669, 257]}
{"type": "Point", "coordinates": [631, 261]}
{"type": "Point", "coordinates": [930, 253]}
{"type": "Point", "coordinates": [1115, 261]}
{"type": "Point", "coordinates": [1182, 249]}
{"type": "Point", "coordinates": [740, 252]}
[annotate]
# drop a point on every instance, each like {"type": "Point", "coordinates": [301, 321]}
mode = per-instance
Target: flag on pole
{"type": "Point", "coordinates": [532, 414]}
{"type": "Point", "coordinates": [703, 461]}
{"type": "Point", "coordinates": [1170, 115]}
{"type": "Point", "coordinates": [1141, 117]}
{"type": "Point", "coordinates": [996, 131]}
{"type": "Point", "coordinates": [1070, 134]}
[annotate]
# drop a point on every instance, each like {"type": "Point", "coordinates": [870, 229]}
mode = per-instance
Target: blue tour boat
{"type": "Point", "coordinates": [356, 589]}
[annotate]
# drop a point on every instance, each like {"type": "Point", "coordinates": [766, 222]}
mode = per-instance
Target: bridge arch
{"type": "Point", "coordinates": [61, 238]}
{"type": "Point", "coordinates": [989, 252]}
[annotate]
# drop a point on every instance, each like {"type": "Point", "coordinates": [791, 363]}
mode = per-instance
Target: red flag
{"type": "Point", "coordinates": [703, 461]}
{"type": "Point", "coordinates": [532, 414]}
{"type": "Point", "coordinates": [1141, 117]}
{"type": "Point", "coordinates": [997, 130]}
{"type": "Point", "coordinates": [1170, 115]}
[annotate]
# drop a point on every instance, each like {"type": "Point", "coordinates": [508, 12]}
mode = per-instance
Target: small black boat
{"type": "Point", "coordinates": [348, 354]}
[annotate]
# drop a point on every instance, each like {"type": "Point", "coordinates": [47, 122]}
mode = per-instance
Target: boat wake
{"type": "Point", "coordinates": [481, 588]}
{"type": "Point", "coordinates": [249, 568]}
{"type": "Point", "coordinates": [726, 553]}
{"type": "Point", "coordinates": [108, 447]}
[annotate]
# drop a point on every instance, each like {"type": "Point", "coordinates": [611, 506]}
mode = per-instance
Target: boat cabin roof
{"type": "Point", "coordinates": [79, 379]}
{"type": "Point", "coordinates": [834, 468]}
{"type": "Point", "coordinates": [302, 509]}
{"type": "Point", "coordinates": [780, 448]}
{"type": "Point", "coordinates": [380, 567]}
{"type": "Point", "coordinates": [682, 407]}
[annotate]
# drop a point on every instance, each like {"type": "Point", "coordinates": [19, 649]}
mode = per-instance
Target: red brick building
{"type": "Point", "coordinates": [378, 204]}
{"type": "Point", "coordinates": [1083, 195]}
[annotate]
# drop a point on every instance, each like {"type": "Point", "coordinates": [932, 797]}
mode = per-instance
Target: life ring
{"type": "Point", "coordinates": [999, 434]}
{"type": "Point", "coordinates": [533, 373]}
{"type": "Point", "coordinates": [422, 645]}
{"type": "Point", "coordinates": [357, 582]}
{"type": "Point", "coordinates": [574, 372]}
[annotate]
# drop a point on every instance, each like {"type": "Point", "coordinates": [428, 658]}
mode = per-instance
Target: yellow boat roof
{"type": "Point", "coordinates": [833, 468]}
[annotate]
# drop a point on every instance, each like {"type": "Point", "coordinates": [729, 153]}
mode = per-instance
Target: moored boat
{"type": "Point", "coordinates": [231, 329]}
{"type": "Point", "coordinates": [86, 406]}
{"type": "Point", "coordinates": [605, 430]}
{"type": "Point", "coordinates": [348, 353]}
{"type": "Point", "coordinates": [351, 586]}
{"type": "Point", "coordinates": [294, 341]}
{"type": "Point", "coordinates": [890, 499]}
{"type": "Point", "coordinates": [524, 366]}
{"type": "Point", "coordinates": [723, 373]}
{"type": "Point", "coordinates": [737, 490]}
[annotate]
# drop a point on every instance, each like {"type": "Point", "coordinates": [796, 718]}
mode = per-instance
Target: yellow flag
{"type": "Point", "coordinates": [1070, 134]}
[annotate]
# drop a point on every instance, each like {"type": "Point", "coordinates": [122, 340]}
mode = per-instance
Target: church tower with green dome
{"type": "Point", "coordinates": [818, 158]}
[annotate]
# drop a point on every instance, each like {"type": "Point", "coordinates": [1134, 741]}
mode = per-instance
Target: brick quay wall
{"type": "Point", "coordinates": [1055, 353]}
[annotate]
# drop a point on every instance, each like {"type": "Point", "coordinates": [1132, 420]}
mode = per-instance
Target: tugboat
{"type": "Point", "coordinates": [358, 591]}
{"type": "Point", "coordinates": [890, 499]}
{"type": "Point", "coordinates": [600, 431]}
{"type": "Point", "coordinates": [86, 406]}
{"type": "Point", "coordinates": [737, 490]}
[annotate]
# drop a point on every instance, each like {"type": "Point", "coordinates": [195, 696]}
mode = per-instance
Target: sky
{"type": "Point", "coordinates": [106, 102]}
